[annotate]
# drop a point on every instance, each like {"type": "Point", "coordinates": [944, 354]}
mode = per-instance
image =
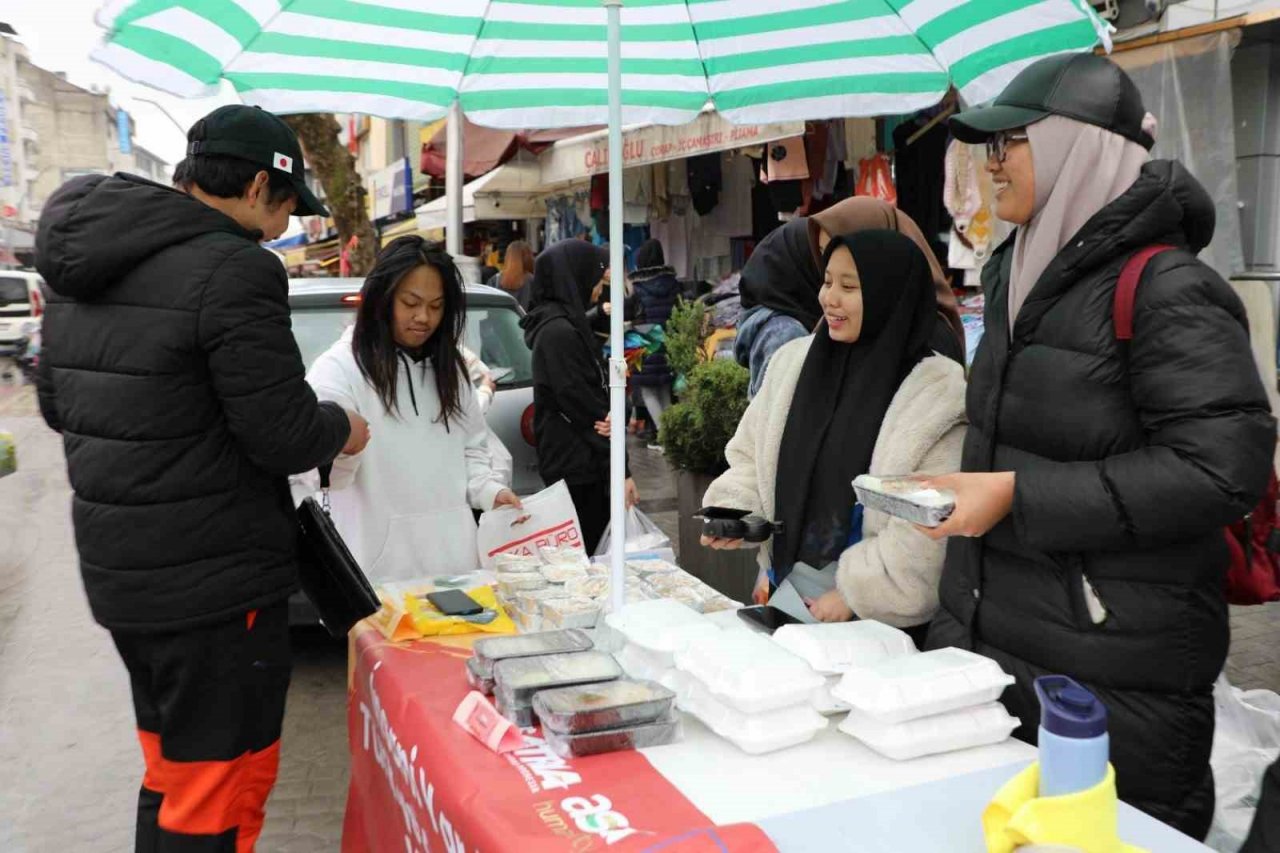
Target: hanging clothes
{"type": "Point", "coordinates": [859, 139]}
{"type": "Point", "coordinates": [661, 194]}
{"type": "Point", "coordinates": [732, 216]}
{"type": "Point", "coordinates": [705, 182]}
{"type": "Point", "coordinates": [920, 175]}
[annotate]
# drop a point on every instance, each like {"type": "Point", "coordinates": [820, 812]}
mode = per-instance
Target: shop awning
{"type": "Point", "coordinates": [583, 156]}
{"type": "Point", "coordinates": [511, 191]}
{"type": "Point", "coordinates": [400, 229]}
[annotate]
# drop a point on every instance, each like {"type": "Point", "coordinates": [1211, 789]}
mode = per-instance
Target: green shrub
{"type": "Point", "coordinates": [695, 430]}
{"type": "Point", "coordinates": [685, 336]}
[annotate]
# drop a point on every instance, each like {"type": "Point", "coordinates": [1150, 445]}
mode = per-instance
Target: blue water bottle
{"type": "Point", "coordinates": [1074, 746]}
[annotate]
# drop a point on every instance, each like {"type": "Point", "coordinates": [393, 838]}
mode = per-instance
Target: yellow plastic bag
{"type": "Point", "coordinates": [412, 617]}
{"type": "Point", "coordinates": [1085, 820]}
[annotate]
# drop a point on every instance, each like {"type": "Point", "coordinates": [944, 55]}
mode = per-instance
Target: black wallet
{"type": "Point", "coordinates": [329, 575]}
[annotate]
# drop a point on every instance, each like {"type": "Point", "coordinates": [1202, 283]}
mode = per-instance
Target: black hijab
{"type": "Point", "coordinates": [563, 277]}
{"type": "Point", "coordinates": [842, 395]}
{"type": "Point", "coordinates": [781, 274]}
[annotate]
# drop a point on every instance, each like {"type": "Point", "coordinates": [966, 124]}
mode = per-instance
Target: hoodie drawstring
{"type": "Point", "coordinates": [408, 369]}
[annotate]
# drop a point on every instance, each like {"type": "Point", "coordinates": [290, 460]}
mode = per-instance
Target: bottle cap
{"type": "Point", "coordinates": [1069, 710]}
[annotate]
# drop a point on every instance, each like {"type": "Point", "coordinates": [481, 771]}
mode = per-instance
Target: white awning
{"type": "Point", "coordinates": [511, 191]}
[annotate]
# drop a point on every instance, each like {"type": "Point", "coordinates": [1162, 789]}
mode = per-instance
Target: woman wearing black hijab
{"type": "Point", "coordinates": [570, 390]}
{"type": "Point", "coordinates": [865, 394]}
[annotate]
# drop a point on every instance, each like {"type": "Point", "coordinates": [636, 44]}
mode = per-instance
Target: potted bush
{"type": "Point", "coordinates": [693, 436]}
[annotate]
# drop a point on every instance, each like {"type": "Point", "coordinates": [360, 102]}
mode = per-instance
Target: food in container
{"type": "Point", "coordinates": [521, 715]}
{"type": "Point", "coordinates": [835, 647]}
{"type": "Point", "coordinates": [717, 603]}
{"type": "Point", "coordinates": [963, 729]}
{"type": "Point", "coordinates": [905, 498]}
{"type": "Point", "coordinates": [513, 583]}
{"type": "Point", "coordinates": [608, 705]}
{"type": "Point", "coordinates": [688, 596]}
{"type": "Point", "coordinates": [754, 734]}
{"type": "Point", "coordinates": [570, 612]}
{"type": "Point", "coordinates": [516, 563]}
{"type": "Point", "coordinates": [749, 672]}
{"type": "Point", "coordinates": [477, 677]}
{"type": "Point", "coordinates": [651, 567]}
{"type": "Point", "coordinates": [492, 649]}
{"type": "Point", "coordinates": [565, 555]}
{"type": "Point", "coordinates": [589, 586]}
{"type": "Point", "coordinates": [659, 733]}
{"type": "Point", "coordinates": [563, 572]}
{"type": "Point", "coordinates": [661, 626]}
{"type": "Point", "coordinates": [908, 688]}
{"type": "Point", "coordinates": [519, 678]}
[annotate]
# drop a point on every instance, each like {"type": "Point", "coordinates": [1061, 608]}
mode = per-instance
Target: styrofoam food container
{"type": "Point", "coordinates": [749, 672]}
{"type": "Point", "coordinates": [643, 664]}
{"type": "Point", "coordinates": [825, 702]}
{"type": "Point", "coordinates": [908, 688]}
{"type": "Point", "coordinates": [754, 734]}
{"type": "Point", "coordinates": [963, 729]}
{"type": "Point", "coordinates": [836, 647]}
{"type": "Point", "coordinates": [661, 626]}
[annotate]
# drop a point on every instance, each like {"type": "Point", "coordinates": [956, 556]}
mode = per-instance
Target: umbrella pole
{"type": "Point", "coordinates": [617, 359]}
{"type": "Point", "coordinates": [453, 182]}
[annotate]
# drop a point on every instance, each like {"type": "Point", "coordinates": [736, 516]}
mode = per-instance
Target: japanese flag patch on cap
{"type": "Point", "coordinates": [283, 163]}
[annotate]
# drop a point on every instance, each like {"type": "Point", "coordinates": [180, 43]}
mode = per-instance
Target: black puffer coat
{"type": "Point", "coordinates": [657, 290]}
{"type": "Point", "coordinates": [1129, 464]}
{"type": "Point", "coordinates": [170, 370]}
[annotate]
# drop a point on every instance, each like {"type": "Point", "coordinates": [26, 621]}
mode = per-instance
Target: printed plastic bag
{"type": "Point", "coordinates": [8, 453]}
{"type": "Point", "coordinates": [548, 520]}
{"type": "Point", "coordinates": [875, 179]}
{"type": "Point", "coordinates": [644, 538]}
{"type": "Point", "coordinates": [1246, 740]}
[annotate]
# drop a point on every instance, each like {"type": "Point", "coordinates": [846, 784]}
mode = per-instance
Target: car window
{"type": "Point", "coordinates": [316, 329]}
{"type": "Point", "coordinates": [13, 290]}
{"type": "Point", "coordinates": [494, 333]}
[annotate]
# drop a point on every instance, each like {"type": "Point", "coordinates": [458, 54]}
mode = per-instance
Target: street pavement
{"type": "Point", "coordinates": [71, 765]}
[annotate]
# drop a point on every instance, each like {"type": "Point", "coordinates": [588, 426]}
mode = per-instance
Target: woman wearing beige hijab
{"type": "Point", "coordinates": [1087, 538]}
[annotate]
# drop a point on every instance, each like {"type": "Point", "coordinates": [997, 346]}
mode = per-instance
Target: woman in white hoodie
{"type": "Point", "coordinates": [404, 507]}
{"type": "Point", "coordinates": [865, 394]}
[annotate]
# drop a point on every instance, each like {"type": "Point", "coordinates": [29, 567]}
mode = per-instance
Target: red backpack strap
{"type": "Point", "coordinates": [1127, 289]}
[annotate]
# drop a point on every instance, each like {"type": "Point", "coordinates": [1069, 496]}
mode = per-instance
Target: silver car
{"type": "Point", "coordinates": [323, 308]}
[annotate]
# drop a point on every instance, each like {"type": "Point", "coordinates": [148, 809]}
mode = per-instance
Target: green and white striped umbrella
{"type": "Point", "coordinates": [541, 63]}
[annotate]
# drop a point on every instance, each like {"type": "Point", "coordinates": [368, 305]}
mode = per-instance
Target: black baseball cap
{"type": "Point", "coordinates": [262, 138]}
{"type": "Point", "coordinates": [1082, 86]}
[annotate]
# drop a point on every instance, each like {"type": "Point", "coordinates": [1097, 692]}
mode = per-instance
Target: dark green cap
{"type": "Point", "coordinates": [262, 138]}
{"type": "Point", "coordinates": [1082, 86]}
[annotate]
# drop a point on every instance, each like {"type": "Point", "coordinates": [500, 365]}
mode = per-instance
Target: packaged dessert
{"type": "Point", "coordinates": [902, 689]}
{"type": "Point", "coordinates": [588, 586]}
{"type": "Point", "coordinates": [651, 567]}
{"type": "Point", "coordinates": [608, 705]}
{"type": "Point", "coordinates": [512, 583]}
{"type": "Point", "coordinates": [492, 649]}
{"type": "Point", "coordinates": [660, 733]}
{"type": "Point", "coordinates": [717, 603]}
{"type": "Point", "coordinates": [570, 612]}
{"type": "Point", "coordinates": [749, 672]}
{"type": "Point", "coordinates": [563, 572]}
{"type": "Point", "coordinates": [516, 563]}
{"type": "Point", "coordinates": [519, 678]}
{"type": "Point", "coordinates": [905, 498]}
{"type": "Point", "coordinates": [478, 678]}
{"type": "Point", "coordinates": [565, 555]}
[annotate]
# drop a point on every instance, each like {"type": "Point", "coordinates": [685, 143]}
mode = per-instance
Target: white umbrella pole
{"type": "Point", "coordinates": [617, 292]}
{"type": "Point", "coordinates": [453, 182]}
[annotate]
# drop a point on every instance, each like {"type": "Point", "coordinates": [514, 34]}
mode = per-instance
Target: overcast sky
{"type": "Point", "coordinates": [60, 34]}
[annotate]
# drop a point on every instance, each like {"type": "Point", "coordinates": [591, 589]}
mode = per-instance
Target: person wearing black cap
{"type": "Point", "coordinates": [171, 372]}
{"type": "Point", "coordinates": [1100, 473]}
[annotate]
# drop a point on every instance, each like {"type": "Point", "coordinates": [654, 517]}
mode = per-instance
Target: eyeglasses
{"type": "Point", "coordinates": [998, 144]}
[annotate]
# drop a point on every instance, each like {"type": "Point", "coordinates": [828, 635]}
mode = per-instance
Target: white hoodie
{"type": "Point", "coordinates": [404, 504]}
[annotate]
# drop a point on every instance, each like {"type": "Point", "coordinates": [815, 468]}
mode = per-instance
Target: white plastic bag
{"type": "Point", "coordinates": [548, 520]}
{"type": "Point", "coordinates": [1246, 740]}
{"type": "Point", "coordinates": [644, 539]}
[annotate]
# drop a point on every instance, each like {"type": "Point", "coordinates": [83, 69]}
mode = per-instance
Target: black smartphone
{"type": "Point", "coordinates": [454, 602]}
{"type": "Point", "coordinates": [766, 618]}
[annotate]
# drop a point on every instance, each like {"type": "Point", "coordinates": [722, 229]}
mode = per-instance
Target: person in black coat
{"type": "Point", "coordinates": [1100, 474]}
{"type": "Point", "coordinates": [657, 291]}
{"type": "Point", "coordinates": [171, 372]}
{"type": "Point", "coordinates": [570, 391]}
{"type": "Point", "coordinates": [1264, 834]}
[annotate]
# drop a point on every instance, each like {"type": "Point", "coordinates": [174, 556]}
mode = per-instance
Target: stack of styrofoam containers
{"type": "Point", "coordinates": [646, 635]}
{"type": "Point", "coordinates": [834, 648]}
{"type": "Point", "coordinates": [926, 704]}
{"type": "Point", "coordinates": [748, 690]}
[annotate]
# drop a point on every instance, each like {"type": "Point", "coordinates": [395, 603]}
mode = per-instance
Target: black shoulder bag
{"type": "Point", "coordinates": [329, 575]}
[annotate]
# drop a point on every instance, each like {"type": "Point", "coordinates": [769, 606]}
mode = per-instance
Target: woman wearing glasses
{"type": "Point", "coordinates": [570, 393]}
{"type": "Point", "coordinates": [1099, 473]}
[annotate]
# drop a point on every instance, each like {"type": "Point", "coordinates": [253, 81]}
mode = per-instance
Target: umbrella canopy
{"type": "Point", "coordinates": [517, 64]}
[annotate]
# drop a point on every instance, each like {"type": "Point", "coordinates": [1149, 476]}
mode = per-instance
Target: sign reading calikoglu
{"type": "Point", "coordinates": [583, 156]}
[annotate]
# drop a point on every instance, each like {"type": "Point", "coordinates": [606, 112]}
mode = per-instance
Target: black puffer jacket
{"type": "Point", "coordinates": [658, 291]}
{"type": "Point", "coordinates": [170, 370]}
{"type": "Point", "coordinates": [1129, 464]}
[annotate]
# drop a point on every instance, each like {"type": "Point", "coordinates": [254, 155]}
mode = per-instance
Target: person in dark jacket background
{"type": "Point", "coordinates": [656, 289]}
{"type": "Point", "coordinates": [570, 391]}
{"type": "Point", "coordinates": [1100, 474]}
{"type": "Point", "coordinates": [171, 372]}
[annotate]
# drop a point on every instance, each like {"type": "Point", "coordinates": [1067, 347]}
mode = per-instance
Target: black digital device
{"type": "Point", "coordinates": [722, 523]}
{"type": "Point", "coordinates": [454, 602]}
{"type": "Point", "coordinates": [765, 618]}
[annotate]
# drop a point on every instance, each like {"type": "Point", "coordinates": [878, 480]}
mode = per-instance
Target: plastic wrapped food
{"type": "Point", "coordinates": [570, 612]}
{"type": "Point", "coordinates": [749, 672]}
{"type": "Point", "coordinates": [563, 572]}
{"type": "Point", "coordinates": [478, 678]}
{"type": "Point", "coordinates": [659, 733]}
{"type": "Point", "coordinates": [688, 596]}
{"type": "Point", "coordinates": [608, 705]}
{"type": "Point", "coordinates": [908, 688]}
{"type": "Point", "coordinates": [589, 586]}
{"type": "Point", "coordinates": [519, 678]}
{"type": "Point", "coordinates": [903, 497]}
{"type": "Point", "coordinates": [651, 567]}
{"type": "Point", "coordinates": [668, 585]}
{"type": "Point", "coordinates": [754, 734]}
{"type": "Point", "coordinates": [492, 649]}
{"type": "Point", "coordinates": [513, 583]}
{"type": "Point", "coordinates": [963, 729]}
{"type": "Point", "coordinates": [717, 603]}
{"type": "Point", "coordinates": [835, 647]}
{"type": "Point", "coordinates": [565, 555]}
{"type": "Point", "coordinates": [515, 563]}
{"type": "Point", "coordinates": [661, 626]}
{"type": "Point", "coordinates": [521, 715]}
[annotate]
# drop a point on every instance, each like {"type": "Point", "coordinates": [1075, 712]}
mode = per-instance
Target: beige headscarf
{"type": "Point", "coordinates": [1079, 169]}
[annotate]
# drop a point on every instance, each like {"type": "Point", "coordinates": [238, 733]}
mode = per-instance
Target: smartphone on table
{"type": "Point", "coordinates": [765, 618]}
{"type": "Point", "coordinates": [454, 602]}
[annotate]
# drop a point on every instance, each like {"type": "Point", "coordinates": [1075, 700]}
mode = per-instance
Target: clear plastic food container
{"type": "Point", "coordinates": [563, 572]}
{"type": "Point", "coordinates": [513, 563]}
{"type": "Point", "coordinates": [608, 705]}
{"type": "Point", "coordinates": [570, 612]}
{"type": "Point", "coordinates": [521, 715]}
{"type": "Point", "coordinates": [520, 678]}
{"type": "Point", "coordinates": [836, 647]}
{"type": "Point", "coordinates": [661, 626]}
{"type": "Point", "coordinates": [513, 583]}
{"type": "Point", "coordinates": [754, 734]}
{"type": "Point", "coordinates": [660, 733]}
{"type": "Point", "coordinates": [908, 688]}
{"type": "Point", "coordinates": [477, 678]}
{"type": "Point", "coordinates": [492, 649]}
{"type": "Point", "coordinates": [963, 729]}
{"type": "Point", "coordinates": [903, 497]}
{"type": "Point", "coordinates": [749, 672]}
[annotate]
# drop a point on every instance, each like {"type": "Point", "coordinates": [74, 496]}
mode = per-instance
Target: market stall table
{"type": "Point", "coordinates": [419, 782]}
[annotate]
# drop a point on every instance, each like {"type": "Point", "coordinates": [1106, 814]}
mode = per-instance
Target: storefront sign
{"type": "Point", "coordinates": [583, 156]}
{"type": "Point", "coordinates": [390, 190]}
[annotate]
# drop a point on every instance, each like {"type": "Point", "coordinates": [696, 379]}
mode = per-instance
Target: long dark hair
{"type": "Point", "coordinates": [373, 340]}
